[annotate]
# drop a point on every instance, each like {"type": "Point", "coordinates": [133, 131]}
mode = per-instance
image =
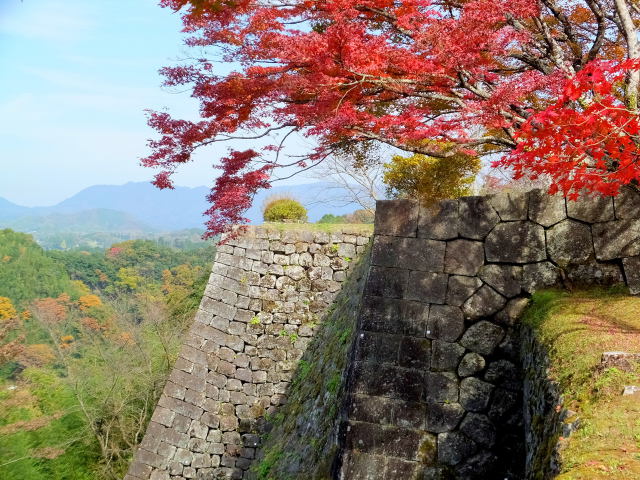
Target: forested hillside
{"type": "Point", "coordinates": [86, 342]}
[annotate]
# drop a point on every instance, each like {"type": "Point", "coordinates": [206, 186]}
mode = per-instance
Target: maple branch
{"type": "Point", "coordinates": [633, 52]}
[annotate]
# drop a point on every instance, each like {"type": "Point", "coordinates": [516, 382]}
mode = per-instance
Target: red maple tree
{"type": "Point", "coordinates": [550, 86]}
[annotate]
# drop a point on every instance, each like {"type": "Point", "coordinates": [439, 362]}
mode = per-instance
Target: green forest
{"type": "Point", "coordinates": [87, 340]}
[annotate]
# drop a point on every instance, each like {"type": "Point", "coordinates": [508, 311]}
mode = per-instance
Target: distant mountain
{"type": "Point", "coordinates": [88, 221]}
{"type": "Point", "coordinates": [149, 207]}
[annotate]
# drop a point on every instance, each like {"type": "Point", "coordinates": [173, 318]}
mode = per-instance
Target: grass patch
{"type": "Point", "coordinates": [576, 329]}
{"type": "Point", "coordinates": [365, 228]}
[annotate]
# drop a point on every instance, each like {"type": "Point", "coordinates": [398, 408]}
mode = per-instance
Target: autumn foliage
{"type": "Point", "coordinates": [545, 86]}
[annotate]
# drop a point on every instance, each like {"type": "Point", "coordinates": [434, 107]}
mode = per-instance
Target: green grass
{"type": "Point", "coordinates": [365, 228]}
{"type": "Point", "coordinates": [576, 329]}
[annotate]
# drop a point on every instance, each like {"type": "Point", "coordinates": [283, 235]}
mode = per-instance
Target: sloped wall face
{"type": "Point", "coordinates": [435, 390]}
{"type": "Point", "coordinates": [265, 298]}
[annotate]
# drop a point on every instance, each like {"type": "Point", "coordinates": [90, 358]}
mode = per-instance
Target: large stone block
{"type": "Point", "coordinates": [546, 209]}
{"type": "Point", "coordinates": [510, 205]}
{"type": "Point", "coordinates": [516, 242]}
{"type": "Point", "coordinates": [387, 282]}
{"type": "Point", "coordinates": [396, 217]}
{"type": "Point", "coordinates": [427, 287]}
{"type": "Point", "coordinates": [591, 209]}
{"type": "Point", "coordinates": [439, 221]}
{"type": "Point", "coordinates": [454, 447]}
{"type": "Point", "coordinates": [485, 302]}
{"type": "Point", "coordinates": [463, 257]}
{"type": "Point", "coordinates": [441, 387]}
{"type": "Point", "coordinates": [539, 275]}
{"type": "Point", "coordinates": [475, 394]}
{"type": "Point", "coordinates": [632, 272]}
{"type": "Point", "coordinates": [410, 253]}
{"type": "Point", "coordinates": [471, 364]}
{"type": "Point", "coordinates": [460, 288]}
{"type": "Point", "coordinates": [479, 428]}
{"type": "Point", "coordinates": [627, 204]}
{"type": "Point", "coordinates": [482, 337]}
{"type": "Point", "coordinates": [477, 217]}
{"type": "Point", "coordinates": [446, 323]}
{"type": "Point", "coordinates": [388, 381]}
{"type": "Point", "coordinates": [445, 356]}
{"type": "Point", "coordinates": [617, 239]}
{"type": "Point", "coordinates": [443, 417]}
{"type": "Point", "coordinates": [569, 242]}
{"type": "Point", "coordinates": [505, 279]}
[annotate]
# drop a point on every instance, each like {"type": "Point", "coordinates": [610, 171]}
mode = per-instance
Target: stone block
{"type": "Point", "coordinates": [460, 288]}
{"type": "Point", "coordinates": [617, 239]}
{"type": "Point", "coordinates": [363, 466]}
{"type": "Point", "coordinates": [378, 347]}
{"type": "Point", "coordinates": [381, 314]}
{"type": "Point", "coordinates": [632, 272]}
{"type": "Point", "coordinates": [410, 253]}
{"type": "Point", "coordinates": [387, 282]}
{"type": "Point", "coordinates": [485, 302]}
{"type": "Point", "coordinates": [482, 337]}
{"type": "Point", "coordinates": [441, 387]}
{"type": "Point", "coordinates": [383, 440]}
{"type": "Point", "coordinates": [479, 428]}
{"type": "Point", "coordinates": [396, 217]}
{"type": "Point", "coordinates": [446, 323]}
{"type": "Point", "coordinates": [364, 408]}
{"type": "Point", "coordinates": [415, 318]}
{"type": "Point", "coordinates": [505, 279]}
{"type": "Point", "coordinates": [463, 257]}
{"type": "Point", "coordinates": [443, 417]}
{"type": "Point", "coordinates": [595, 273]}
{"type": "Point", "coordinates": [445, 356]}
{"type": "Point", "coordinates": [512, 311]}
{"type": "Point", "coordinates": [627, 204]}
{"type": "Point", "coordinates": [414, 352]}
{"type": "Point", "coordinates": [539, 275]}
{"type": "Point", "coordinates": [388, 381]}
{"type": "Point", "coordinates": [516, 242]}
{"type": "Point", "coordinates": [546, 209]}
{"type": "Point", "coordinates": [569, 242]}
{"type": "Point", "coordinates": [427, 287]}
{"type": "Point", "coordinates": [454, 447]}
{"type": "Point", "coordinates": [471, 364]}
{"type": "Point", "coordinates": [439, 221]}
{"type": "Point", "coordinates": [510, 205]}
{"type": "Point", "coordinates": [477, 217]}
{"type": "Point", "coordinates": [591, 209]}
{"type": "Point", "coordinates": [503, 373]}
{"type": "Point", "coordinates": [475, 394]}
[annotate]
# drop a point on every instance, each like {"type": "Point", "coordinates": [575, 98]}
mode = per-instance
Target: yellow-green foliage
{"type": "Point", "coordinates": [430, 179]}
{"type": "Point", "coordinates": [576, 329]}
{"type": "Point", "coordinates": [284, 209]}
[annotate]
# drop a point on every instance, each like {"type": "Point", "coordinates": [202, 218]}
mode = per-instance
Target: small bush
{"type": "Point", "coordinates": [284, 210]}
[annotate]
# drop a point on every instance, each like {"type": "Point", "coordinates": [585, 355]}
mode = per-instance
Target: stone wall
{"type": "Point", "coordinates": [435, 389]}
{"type": "Point", "coordinates": [266, 296]}
{"type": "Point", "coordinates": [547, 422]}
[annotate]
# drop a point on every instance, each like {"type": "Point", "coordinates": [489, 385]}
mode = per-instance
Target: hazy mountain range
{"type": "Point", "coordinates": [138, 209]}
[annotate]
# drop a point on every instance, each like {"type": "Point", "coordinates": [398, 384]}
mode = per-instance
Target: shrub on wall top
{"type": "Point", "coordinates": [284, 210]}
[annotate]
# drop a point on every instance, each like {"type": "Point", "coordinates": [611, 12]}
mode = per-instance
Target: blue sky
{"type": "Point", "coordinates": [76, 76]}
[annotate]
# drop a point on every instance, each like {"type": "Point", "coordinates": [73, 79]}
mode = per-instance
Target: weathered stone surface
{"type": "Point", "coordinates": [483, 303]}
{"type": "Point", "coordinates": [460, 288]}
{"type": "Point", "coordinates": [503, 373]}
{"type": "Point", "coordinates": [510, 206]}
{"type": "Point", "coordinates": [463, 257]}
{"type": "Point", "coordinates": [387, 282]}
{"type": "Point", "coordinates": [512, 311]}
{"type": "Point", "coordinates": [539, 275]}
{"type": "Point", "coordinates": [443, 417]}
{"type": "Point", "coordinates": [505, 279]}
{"type": "Point", "coordinates": [471, 364]}
{"type": "Point", "coordinates": [427, 287]}
{"type": "Point", "coordinates": [627, 204]}
{"type": "Point", "coordinates": [545, 209]}
{"type": "Point", "coordinates": [594, 273]}
{"type": "Point", "coordinates": [454, 447]}
{"type": "Point", "coordinates": [617, 239]}
{"type": "Point", "coordinates": [569, 242]}
{"type": "Point", "coordinates": [442, 386]}
{"type": "Point", "coordinates": [439, 221]}
{"type": "Point", "coordinates": [477, 217]}
{"type": "Point", "coordinates": [445, 323]}
{"type": "Point", "coordinates": [410, 253]}
{"type": "Point", "coordinates": [475, 394]}
{"type": "Point", "coordinates": [516, 242]}
{"type": "Point", "coordinates": [396, 217]}
{"type": "Point", "coordinates": [479, 428]}
{"type": "Point", "coordinates": [632, 272]}
{"type": "Point", "coordinates": [445, 356]}
{"type": "Point", "coordinates": [591, 209]}
{"type": "Point", "coordinates": [482, 337]}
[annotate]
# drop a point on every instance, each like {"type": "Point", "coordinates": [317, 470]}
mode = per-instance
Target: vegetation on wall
{"type": "Point", "coordinates": [575, 329]}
